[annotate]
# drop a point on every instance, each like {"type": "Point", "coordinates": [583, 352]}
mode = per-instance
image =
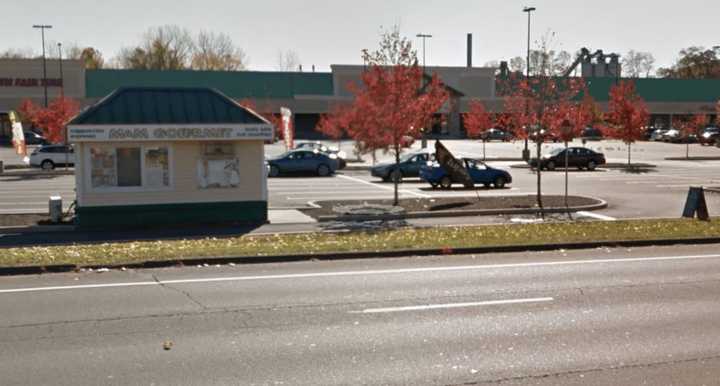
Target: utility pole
{"type": "Point", "coordinates": [528, 10]}
{"type": "Point", "coordinates": [42, 28]}
{"type": "Point", "coordinates": [62, 81]}
{"type": "Point", "coordinates": [424, 36]}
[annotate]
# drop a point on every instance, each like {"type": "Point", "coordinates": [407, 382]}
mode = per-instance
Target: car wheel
{"type": "Point", "coordinates": [499, 183]}
{"type": "Point", "coordinates": [323, 171]}
{"type": "Point", "coordinates": [550, 165]}
{"type": "Point", "coordinates": [396, 176]}
{"type": "Point", "coordinates": [591, 166]}
{"type": "Point", "coordinates": [47, 165]}
{"type": "Point", "coordinates": [486, 185]}
{"type": "Point", "coordinates": [433, 185]}
{"type": "Point", "coordinates": [274, 171]}
{"type": "Point", "coordinates": [446, 182]}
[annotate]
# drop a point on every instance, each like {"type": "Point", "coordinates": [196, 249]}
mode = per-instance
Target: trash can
{"type": "Point", "coordinates": [55, 204]}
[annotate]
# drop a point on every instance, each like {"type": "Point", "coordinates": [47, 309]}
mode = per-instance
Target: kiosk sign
{"type": "Point", "coordinates": [169, 133]}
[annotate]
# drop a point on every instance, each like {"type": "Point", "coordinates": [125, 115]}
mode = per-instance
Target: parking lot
{"type": "Point", "coordinates": [653, 192]}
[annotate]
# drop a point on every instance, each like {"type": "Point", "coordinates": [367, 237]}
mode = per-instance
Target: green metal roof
{"type": "Point", "coordinates": [662, 89]}
{"type": "Point", "coordinates": [235, 84]}
{"type": "Point", "coordinates": [168, 105]}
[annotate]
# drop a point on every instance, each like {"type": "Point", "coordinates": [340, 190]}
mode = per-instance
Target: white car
{"type": "Point", "coordinates": [47, 157]}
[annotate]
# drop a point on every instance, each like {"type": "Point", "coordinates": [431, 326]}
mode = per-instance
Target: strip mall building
{"type": "Point", "coordinates": [309, 95]}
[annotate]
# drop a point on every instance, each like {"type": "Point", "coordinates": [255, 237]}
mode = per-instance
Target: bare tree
{"type": "Point", "coordinates": [394, 50]}
{"type": "Point", "coordinates": [545, 60]}
{"type": "Point", "coordinates": [517, 64]}
{"type": "Point", "coordinates": [288, 60]}
{"type": "Point", "coordinates": [216, 51]}
{"type": "Point", "coordinates": [163, 48]}
{"type": "Point", "coordinates": [91, 57]}
{"type": "Point", "coordinates": [18, 53]}
{"type": "Point", "coordinates": [637, 64]}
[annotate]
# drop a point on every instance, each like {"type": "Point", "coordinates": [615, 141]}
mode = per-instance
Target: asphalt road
{"type": "Point", "coordinates": [595, 317]}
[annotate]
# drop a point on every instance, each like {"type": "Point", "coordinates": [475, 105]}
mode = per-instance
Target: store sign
{"type": "Point", "coordinates": [30, 82]}
{"type": "Point", "coordinates": [169, 133]}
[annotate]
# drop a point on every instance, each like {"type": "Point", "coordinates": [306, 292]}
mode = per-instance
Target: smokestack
{"type": "Point", "coordinates": [469, 50]}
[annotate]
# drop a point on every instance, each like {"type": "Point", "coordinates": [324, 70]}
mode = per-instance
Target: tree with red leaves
{"type": "Point", "coordinates": [627, 116]}
{"type": "Point", "coordinates": [53, 119]}
{"type": "Point", "coordinates": [537, 107]}
{"type": "Point", "coordinates": [689, 127]}
{"type": "Point", "coordinates": [477, 122]}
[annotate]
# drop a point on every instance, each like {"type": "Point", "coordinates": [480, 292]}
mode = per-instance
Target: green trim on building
{"type": "Point", "coordinates": [235, 84]}
{"type": "Point", "coordinates": [165, 215]}
{"type": "Point", "coordinates": [661, 89]}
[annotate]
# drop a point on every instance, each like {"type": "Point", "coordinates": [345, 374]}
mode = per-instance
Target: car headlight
{"type": "Point", "coordinates": [333, 156]}
{"type": "Point", "coordinates": [342, 154]}
{"type": "Point", "coordinates": [707, 135]}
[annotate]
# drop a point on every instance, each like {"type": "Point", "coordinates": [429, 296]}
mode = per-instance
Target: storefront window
{"type": "Point", "coordinates": [130, 167]}
{"type": "Point", "coordinates": [157, 167]}
{"type": "Point", "coordinates": [218, 167]}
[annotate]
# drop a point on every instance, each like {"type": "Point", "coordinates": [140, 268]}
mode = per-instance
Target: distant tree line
{"type": "Point", "coordinates": [168, 47]}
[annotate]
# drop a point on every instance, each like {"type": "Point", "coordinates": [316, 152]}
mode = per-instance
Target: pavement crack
{"type": "Point", "coordinates": [182, 292]}
{"type": "Point", "coordinates": [583, 371]}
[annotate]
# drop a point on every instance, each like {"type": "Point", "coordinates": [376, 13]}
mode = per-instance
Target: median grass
{"type": "Point", "coordinates": [323, 243]}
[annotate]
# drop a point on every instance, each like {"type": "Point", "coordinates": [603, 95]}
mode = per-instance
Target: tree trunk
{"type": "Point", "coordinates": [539, 178]}
{"type": "Point", "coordinates": [629, 155]}
{"type": "Point", "coordinates": [687, 149]}
{"type": "Point", "coordinates": [396, 199]}
{"type": "Point", "coordinates": [567, 205]}
{"type": "Point", "coordinates": [484, 159]}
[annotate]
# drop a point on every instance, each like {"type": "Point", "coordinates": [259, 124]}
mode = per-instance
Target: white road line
{"type": "Point", "coordinates": [421, 195]}
{"type": "Point", "coordinates": [450, 305]}
{"type": "Point", "coordinates": [369, 272]}
{"type": "Point", "coordinates": [596, 216]}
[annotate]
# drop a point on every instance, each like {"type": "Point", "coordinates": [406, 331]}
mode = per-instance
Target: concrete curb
{"type": "Point", "coordinates": [611, 165]}
{"type": "Point", "coordinates": [37, 229]}
{"type": "Point", "coordinates": [692, 159]}
{"type": "Point", "coordinates": [601, 204]}
{"type": "Point", "coordinates": [60, 268]}
{"type": "Point", "coordinates": [36, 172]}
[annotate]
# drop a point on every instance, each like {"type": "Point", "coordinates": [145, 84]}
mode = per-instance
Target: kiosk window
{"type": "Point", "coordinates": [218, 167]}
{"type": "Point", "coordinates": [130, 167]}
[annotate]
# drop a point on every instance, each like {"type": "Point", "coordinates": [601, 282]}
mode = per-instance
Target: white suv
{"type": "Point", "coordinates": [47, 157]}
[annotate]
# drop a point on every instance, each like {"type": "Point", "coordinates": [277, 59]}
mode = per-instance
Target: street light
{"type": "Point", "coordinates": [528, 10]}
{"type": "Point", "coordinates": [42, 28]}
{"type": "Point", "coordinates": [60, 60]}
{"type": "Point", "coordinates": [424, 37]}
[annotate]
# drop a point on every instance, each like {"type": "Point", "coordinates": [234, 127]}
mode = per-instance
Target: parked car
{"type": "Point", "coordinates": [302, 161]}
{"type": "Point", "coordinates": [49, 156]}
{"type": "Point", "coordinates": [591, 134]}
{"type": "Point", "coordinates": [33, 138]}
{"type": "Point", "coordinates": [480, 172]}
{"type": "Point", "coordinates": [676, 136]}
{"type": "Point", "coordinates": [658, 134]}
{"type": "Point", "coordinates": [578, 157]}
{"type": "Point", "coordinates": [409, 166]}
{"type": "Point", "coordinates": [341, 155]}
{"type": "Point", "coordinates": [496, 135]}
{"type": "Point", "coordinates": [546, 136]}
{"type": "Point", "coordinates": [710, 136]}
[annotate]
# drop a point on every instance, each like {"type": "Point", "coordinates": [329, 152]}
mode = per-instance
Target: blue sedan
{"type": "Point", "coordinates": [302, 162]}
{"type": "Point", "coordinates": [480, 173]}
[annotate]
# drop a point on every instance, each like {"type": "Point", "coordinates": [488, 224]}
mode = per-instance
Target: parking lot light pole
{"type": "Point", "coordinates": [62, 95]}
{"type": "Point", "coordinates": [42, 28]}
{"type": "Point", "coordinates": [424, 37]}
{"type": "Point", "coordinates": [528, 10]}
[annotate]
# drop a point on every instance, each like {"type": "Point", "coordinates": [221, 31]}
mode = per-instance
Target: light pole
{"type": "Point", "coordinates": [42, 28]}
{"type": "Point", "coordinates": [424, 37]}
{"type": "Point", "coordinates": [60, 60]}
{"type": "Point", "coordinates": [528, 10]}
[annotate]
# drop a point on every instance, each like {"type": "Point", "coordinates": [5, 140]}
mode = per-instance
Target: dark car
{"type": "Point", "coordinates": [302, 162]}
{"type": "Point", "coordinates": [480, 173]}
{"type": "Point", "coordinates": [578, 157]}
{"type": "Point", "coordinates": [341, 155]}
{"type": "Point", "coordinates": [591, 134]}
{"type": "Point", "coordinates": [496, 135]}
{"type": "Point", "coordinates": [33, 138]}
{"type": "Point", "coordinates": [409, 166]}
{"type": "Point", "coordinates": [545, 135]}
{"type": "Point", "coordinates": [710, 136]}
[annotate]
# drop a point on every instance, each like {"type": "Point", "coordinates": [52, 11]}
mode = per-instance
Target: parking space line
{"type": "Point", "coordinates": [427, 307]}
{"type": "Point", "coordinates": [421, 195]}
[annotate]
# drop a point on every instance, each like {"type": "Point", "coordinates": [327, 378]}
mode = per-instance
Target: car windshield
{"type": "Point", "coordinates": [408, 156]}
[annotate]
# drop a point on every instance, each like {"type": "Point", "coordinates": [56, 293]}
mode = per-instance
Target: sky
{"type": "Point", "coordinates": [325, 32]}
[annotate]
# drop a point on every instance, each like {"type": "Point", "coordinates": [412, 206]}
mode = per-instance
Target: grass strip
{"type": "Point", "coordinates": [401, 239]}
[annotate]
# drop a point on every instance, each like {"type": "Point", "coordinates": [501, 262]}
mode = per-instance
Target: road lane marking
{"type": "Point", "coordinates": [367, 273]}
{"type": "Point", "coordinates": [421, 195]}
{"type": "Point", "coordinates": [450, 305]}
{"type": "Point", "coordinates": [596, 216]}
